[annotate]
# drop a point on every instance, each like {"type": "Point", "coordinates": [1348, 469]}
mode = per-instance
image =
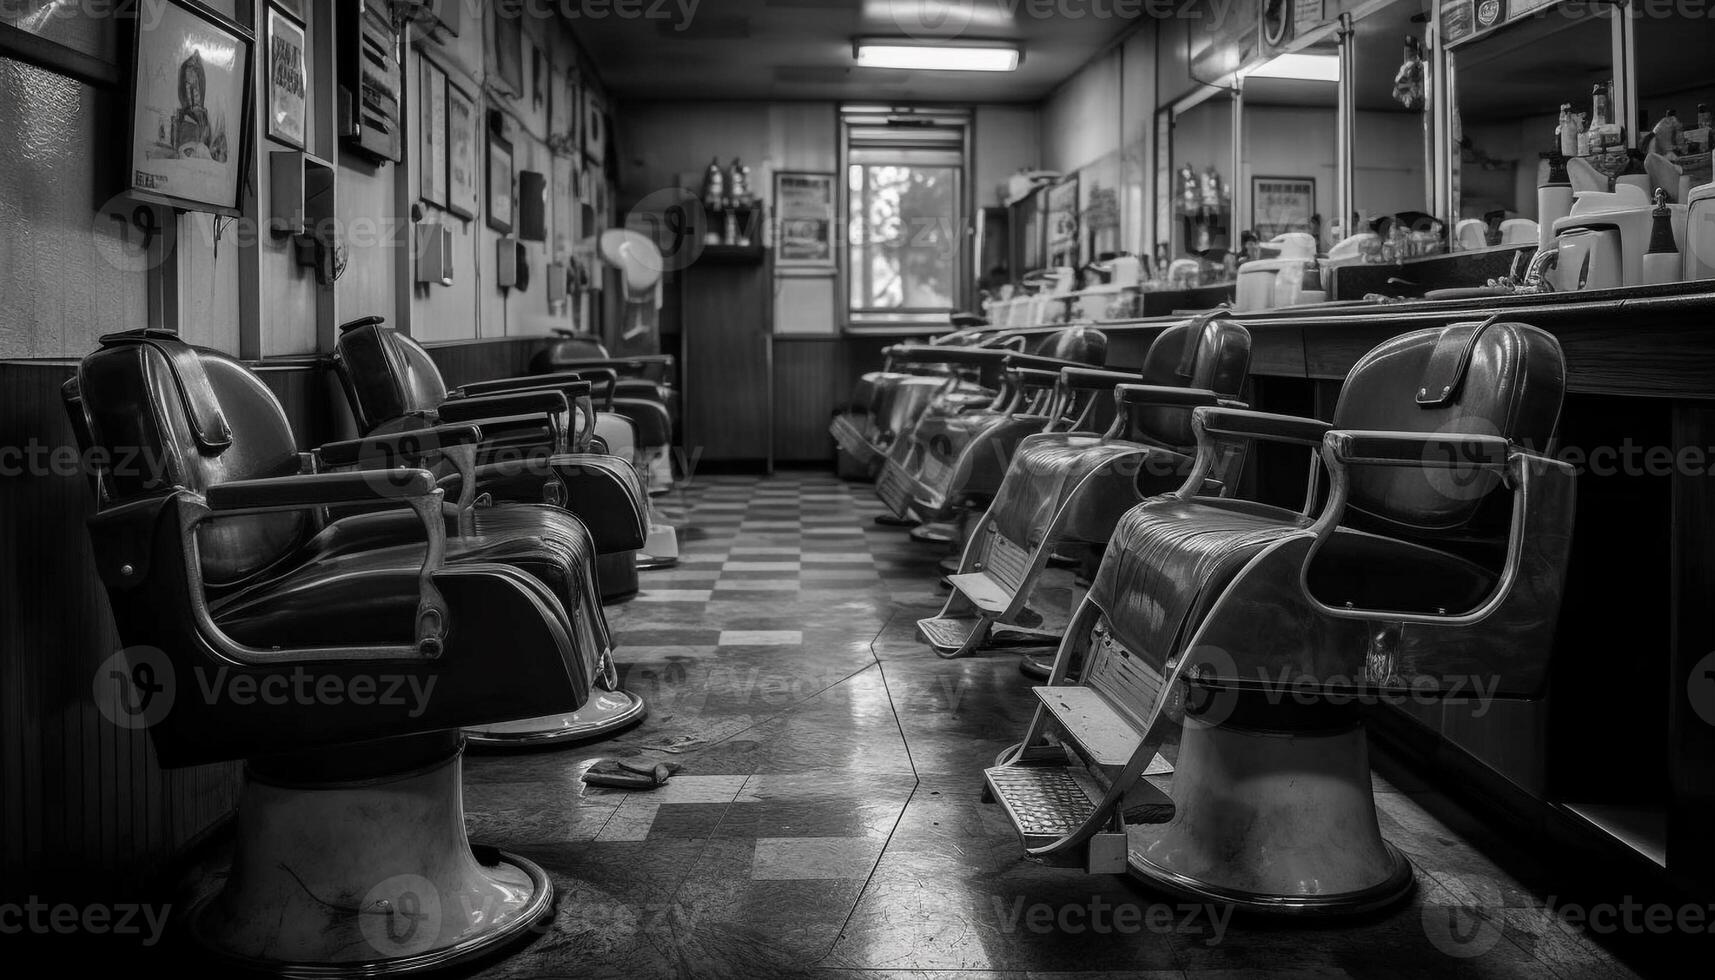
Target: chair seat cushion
{"type": "Point", "coordinates": [1048, 469]}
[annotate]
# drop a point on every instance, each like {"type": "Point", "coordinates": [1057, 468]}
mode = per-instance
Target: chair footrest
{"type": "Point", "coordinates": [948, 632]}
{"type": "Point", "coordinates": [1108, 739]}
{"type": "Point", "coordinates": [1044, 803]}
{"type": "Point", "coordinates": [979, 587]}
{"type": "Point", "coordinates": [850, 438]}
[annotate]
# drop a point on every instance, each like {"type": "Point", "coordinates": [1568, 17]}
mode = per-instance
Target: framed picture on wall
{"type": "Point", "coordinates": [190, 110]}
{"type": "Point", "coordinates": [1281, 204]}
{"type": "Point", "coordinates": [1062, 216]}
{"type": "Point", "coordinates": [573, 94]}
{"type": "Point", "coordinates": [293, 7]}
{"type": "Point", "coordinates": [595, 127]}
{"type": "Point", "coordinates": [288, 81]}
{"type": "Point", "coordinates": [464, 183]}
{"type": "Point", "coordinates": [432, 132]}
{"type": "Point", "coordinates": [805, 207]}
{"type": "Point", "coordinates": [509, 43]}
{"type": "Point", "coordinates": [500, 215]}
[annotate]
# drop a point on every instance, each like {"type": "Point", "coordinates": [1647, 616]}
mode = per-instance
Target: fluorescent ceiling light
{"type": "Point", "coordinates": [937, 57]}
{"type": "Point", "coordinates": [1306, 67]}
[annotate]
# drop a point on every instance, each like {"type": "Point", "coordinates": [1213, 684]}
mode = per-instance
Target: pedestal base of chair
{"type": "Point", "coordinates": [617, 575]}
{"type": "Point", "coordinates": [889, 520]}
{"type": "Point", "coordinates": [1036, 666]}
{"type": "Point", "coordinates": [660, 549]}
{"type": "Point", "coordinates": [605, 713]}
{"type": "Point", "coordinates": [935, 533]}
{"type": "Point", "coordinates": [1275, 822]}
{"type": "Point", "coordinates": [362, 877]}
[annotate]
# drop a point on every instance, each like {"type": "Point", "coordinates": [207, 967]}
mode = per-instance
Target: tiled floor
{"type": "Point", "coordinates": [827, 819]}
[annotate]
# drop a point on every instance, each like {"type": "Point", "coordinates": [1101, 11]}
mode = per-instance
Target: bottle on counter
{"type": "Point", "coordinates": [1599, 106]}
{"type": "Point", "coordinates": [1553, 199]}
{"type": "Point", "coordinates": [1568, 131]}
{"type": "Point", "coordinates": [1662, 261]}
{"type": "Point", "coordinates": [714, 186]}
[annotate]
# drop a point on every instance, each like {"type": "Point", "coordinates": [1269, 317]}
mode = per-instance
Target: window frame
{"type": "Point", "coordinates": [865, 321]}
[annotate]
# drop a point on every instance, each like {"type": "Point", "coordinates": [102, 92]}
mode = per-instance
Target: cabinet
{"type": "Point", "coordinates": [725, 348]}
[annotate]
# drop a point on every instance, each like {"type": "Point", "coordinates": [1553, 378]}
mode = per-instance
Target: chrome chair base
{"type": "Point", "coordinates": [1037, 666]}
{"type": "Point", "coordinates": [1273, 822]}
{"type": "Point", "coordinates": [364, 878]}
{"type": "Point", "coordinates": [605, 713]}
{"type": "Point", "coordinates": [617, 575]}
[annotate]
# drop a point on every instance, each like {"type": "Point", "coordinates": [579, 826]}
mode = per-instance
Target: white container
{"type": "Point", "coordinates": [1268, 284]}
{"type": "Point", "coordinates": [1613, 230]}
{"type": "Point", "coordinates": [1699, 247]}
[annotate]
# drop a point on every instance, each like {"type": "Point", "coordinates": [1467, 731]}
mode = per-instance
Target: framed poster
{"type": "Point", "coordinates": [499, 184]}
{"type": "Point", "coordinates": [464, 183]}
{"type": "Point", "coordinates": [432, 132]}
{"type": "Point", "coordinates": [574, 98]}
{"type": "Point", "coordinates": [1281, 204]}
{"type": "Point", "coordinates": [1062, 230]}
{"type": "Point", "coordinates": [190, 110]}
{"type": "Point", "coordinates": [288, 81]}
{"type": "Point", "coordinates": [293, 7]}
{"type": "Point", "coordinates": [595, 127]}
{"type": "Point", "coordinates": [509, 43]}
{"type": "Point", "coordinates": [804, 206]}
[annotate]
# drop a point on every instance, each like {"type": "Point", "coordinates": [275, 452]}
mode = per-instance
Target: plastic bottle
{"type": "Point", "coordinates": [1553, 200]}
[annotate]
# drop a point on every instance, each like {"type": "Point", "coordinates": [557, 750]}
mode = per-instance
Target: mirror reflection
{"type": "Point", "coordinates": [1392, 129]}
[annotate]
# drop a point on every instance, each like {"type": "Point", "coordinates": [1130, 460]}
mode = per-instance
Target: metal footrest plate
{"type": "Point", "coordinates": [894, 489]}
{"type": "Point", "coordinates": [947, 632]}
{"type": "Point", "coordinates": [1042, 801]}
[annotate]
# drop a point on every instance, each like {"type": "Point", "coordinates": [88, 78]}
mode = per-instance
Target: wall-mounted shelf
{"type": "Point", "coordinates": [733, 254]}
{"type": "Point", "coordinates": [301, 192]}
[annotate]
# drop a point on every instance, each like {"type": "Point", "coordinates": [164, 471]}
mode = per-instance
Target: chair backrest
{"type": "Point", "coordinates": [1491, 378]}
{"type": "Point", "coordinates": [563, 348]}
{"type": "Point", "coordinates": [1086, 345]}
{"type": "Point", "coordinates": [387, 376]}
{"type": "Point", "coordinates": [1209, 352]}
{"type": "Point", "coordinates": [166, 417]}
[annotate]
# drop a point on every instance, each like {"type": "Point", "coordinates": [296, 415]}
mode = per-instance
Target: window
{"type": "Point", "coordinates": [905, 215]}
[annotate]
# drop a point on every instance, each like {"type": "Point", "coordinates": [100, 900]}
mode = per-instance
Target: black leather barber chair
{"type": "Point", "coordinates": [1213, 743]}
{"type": "Point", "coordinates": [885, 403]}
{"type": "Point", "coordinates": [339, 659]}
{"type": "Point", "coordinates": [643, 393]}
{"type": "Point", "coordinates": [392, 384]}
{"type": "Point", "coordinates": [950, 456]}
{"type": "Point", "coordinates": [1069, 485]}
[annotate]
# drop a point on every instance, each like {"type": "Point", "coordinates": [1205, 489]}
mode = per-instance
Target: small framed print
{"type": "Point", "coordinates": [500, 215]}
{"type": "Point", "coordinates": [288, 81]}
{"type": "Point", "coordinates": [432, 132]}
{"type": "Point", "coordinates": [1281, 204]}
{"type": "Point", "coordinates": [595, 127]}
{"type": "Point", "coordinates": [805, 208]}
{"type": "Point", "coordinates": [464, 168]}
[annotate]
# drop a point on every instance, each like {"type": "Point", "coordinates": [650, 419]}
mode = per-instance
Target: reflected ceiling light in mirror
{"type": "Point", "coordinates": [1304, 67]}
{"type": "Point", "coordinates": [903, 53]}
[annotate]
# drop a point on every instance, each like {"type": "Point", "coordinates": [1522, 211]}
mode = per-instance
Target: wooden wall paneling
{"type": "Point", "coordinates": [726, 350]}
{"type": "Point", "coordinates": [811, 377]}
{"type": "Point", "coordinates": [85, 803]}
{"type": "Point", "coordinates": [1691, 682]}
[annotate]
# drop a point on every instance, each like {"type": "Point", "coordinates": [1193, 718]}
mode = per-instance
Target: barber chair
{"type": "Point", "coordinates": [1069, 485]}
{"type": "Point", "coordinates": [951, 456]}
{"type": "Point", "coordinates": [1212, 744]}
{"type": "Point", "coordinates": [886, 403]}
{"type": "Point", "coordinates": [392, 385]}
{"type": "Point", "coordinates": [643, 394]}
{"type": "Point", "coordinates": [339, 659]}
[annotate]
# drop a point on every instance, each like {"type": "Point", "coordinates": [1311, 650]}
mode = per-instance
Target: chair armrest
{"type": "Point", "coordinates": [1261, 425]}
{"type": "Point", "coordinates": [650, 367]}
{"type": "Point", "coordinates": [477, 408]}
{"type": "Point", "coordinates": [570, 382]}
{"type": "Point", "coordinates": [1047, 363]}
{"type": "Point", "coordinates": [1095, 379]}
{"type": "Point", "coordinates": [947, 354]}
{"type": "Point", "coordinates": [1166, 397]}
{"type": "Point", "coordinates": [321, 490]}
{"type": "Point", "coordinates": [1446, 450]}
{"type": "Point", "coordinates": [409, 444]}
{"type": "Point", "coordinates": [1036, 377]}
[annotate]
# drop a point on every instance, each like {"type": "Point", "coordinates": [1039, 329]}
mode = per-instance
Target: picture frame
{"type": "Point", "coordinates": [574, 96]}
{"type": "Point", "coordinates": [806, 206]}
{"type": "Point", "coordinates": [1062, 223]}
{"type": "Point", "coordinates": [288, 80]}
{"type": "Point", "coordinates": [464, 169]}
{"type": "Point", "coordinates": [500, 200]}
{"type": "Point", "coordinates": [1281, 204]}
{"type": "Point", "coordinates": [509, 44]}
{"type": "Point", "coordinates": [191, 111]}
{"type": "Point", "coordinates": [594, 126]}
{"type": "Point", "coordinates": [292, 8]}
{"type": "Point", "coordinates": [432, 133]}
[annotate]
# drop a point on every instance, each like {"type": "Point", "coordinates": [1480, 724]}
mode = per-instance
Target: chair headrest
{"type": "Point", "coordinates": [202, 407]}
